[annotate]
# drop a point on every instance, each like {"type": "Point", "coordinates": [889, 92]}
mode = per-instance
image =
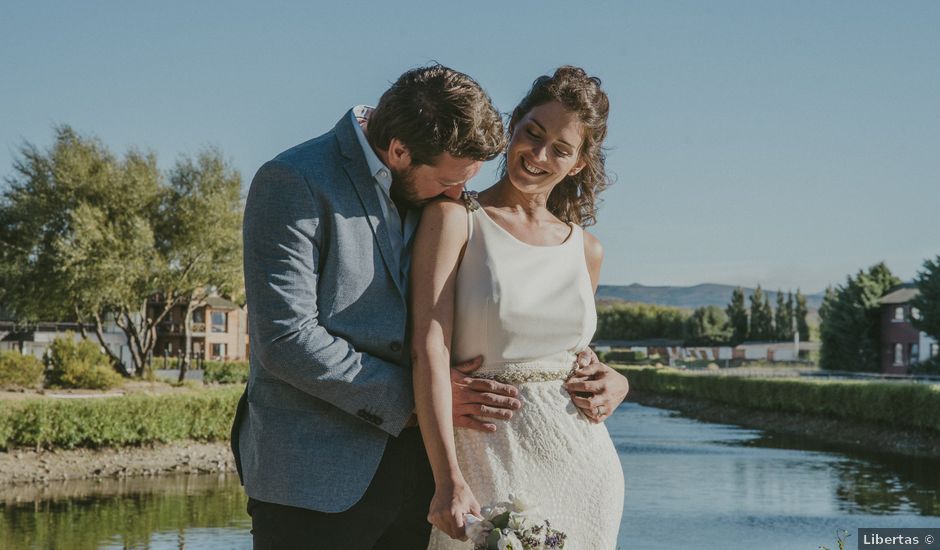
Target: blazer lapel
{"type": "Point", "coordinates": [357, 170]}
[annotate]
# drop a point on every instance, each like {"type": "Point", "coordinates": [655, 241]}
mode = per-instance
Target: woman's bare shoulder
{"type": "Point", "coordinates": [593, 250]}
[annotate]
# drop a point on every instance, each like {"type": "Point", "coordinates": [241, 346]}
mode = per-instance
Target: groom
{"type": "Point", "coordinates": [325, 435]}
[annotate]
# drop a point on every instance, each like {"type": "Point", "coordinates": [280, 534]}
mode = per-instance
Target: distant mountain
{"type": "Point", "coordinates": [688, 296]}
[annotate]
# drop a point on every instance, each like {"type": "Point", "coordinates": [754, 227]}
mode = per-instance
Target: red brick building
{"type": "Point", "coordinates": [902, 345]}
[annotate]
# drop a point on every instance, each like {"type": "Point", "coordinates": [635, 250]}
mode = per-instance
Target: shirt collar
{"type": "Point", "coordinates": [381, 173]}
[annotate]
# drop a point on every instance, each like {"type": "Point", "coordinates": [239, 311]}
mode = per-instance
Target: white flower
{"type": "Point", "coordinates": [519, 502]}
{"type": "Point", "coordinates": [517, 521]}
{"type": "Point", "coordinates": [509, 541]}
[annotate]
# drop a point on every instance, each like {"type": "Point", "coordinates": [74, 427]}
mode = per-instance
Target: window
{"type": "Point", "coordinates": [915, 313]}
{"type": "Point", "coordinates": [219, 319]}
{"type": "Point", "coordinates": [218, 350]}
{"type": "Point", "coordinates": [934, 350]}
{"type": "Point", "coordinates": [899, 313]}
{"type": "Point", "coordinates": [199, 316]}
{"type": "Point", "coordinates": [898, 354]}
{"type": "Point", "coordinates": [915, 353]}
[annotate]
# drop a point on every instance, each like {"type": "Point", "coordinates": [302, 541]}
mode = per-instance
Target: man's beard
{"type": "Point", "coordinates": [403, 190]}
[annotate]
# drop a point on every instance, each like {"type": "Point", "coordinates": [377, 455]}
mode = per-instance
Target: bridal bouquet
{"type": "Point", "coordinates": [507, 526]}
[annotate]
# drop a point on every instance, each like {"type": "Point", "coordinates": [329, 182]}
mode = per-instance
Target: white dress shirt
{"type": "Point", "coordinates": [399, 234]}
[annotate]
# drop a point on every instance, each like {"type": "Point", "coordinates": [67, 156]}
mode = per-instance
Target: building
{"type": "Point", "coordinates": [676, 350]}
{"type": "Point", "coordinates": [220, 331]}
{"type": "Point", "coordinates": [902, 345]}
{"type": "Point", "coordinates": [35, 338]}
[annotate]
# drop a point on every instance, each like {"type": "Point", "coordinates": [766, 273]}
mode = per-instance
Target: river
{"type": "Point", "coordinates": [689, 484]}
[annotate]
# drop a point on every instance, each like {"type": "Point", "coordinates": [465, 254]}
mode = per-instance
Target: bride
{"type": "Point", "coordinates": [510, 275]}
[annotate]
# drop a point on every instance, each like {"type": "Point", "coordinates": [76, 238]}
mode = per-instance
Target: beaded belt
{"type": "Point", "coordinates": [533, 371]}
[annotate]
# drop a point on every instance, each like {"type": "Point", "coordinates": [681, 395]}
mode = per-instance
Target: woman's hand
{"type": "Point", "coordinates": [595, 388]}
{"type": "Point", "coordinates": [448, 507]}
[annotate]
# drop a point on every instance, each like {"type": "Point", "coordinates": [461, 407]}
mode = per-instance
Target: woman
{"type": "Point", "coordinates": [510, 275]}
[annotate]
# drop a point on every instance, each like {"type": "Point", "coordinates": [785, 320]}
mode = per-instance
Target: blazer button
{"type": "Point", "coordinates": [395, 346]}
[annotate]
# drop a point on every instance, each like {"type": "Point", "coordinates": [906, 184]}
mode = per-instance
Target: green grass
{"type": "Point", "coordinates": [118, 421]}
{"type": "Point", "coordinates": [898, 404]}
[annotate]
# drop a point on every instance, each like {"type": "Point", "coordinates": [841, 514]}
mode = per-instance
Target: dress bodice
{"type": "Point", "coordinates": [517, 302]}
{"type": "Point", "coordinates": [528, 309]}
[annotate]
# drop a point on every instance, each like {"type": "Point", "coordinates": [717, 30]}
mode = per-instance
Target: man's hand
{"type": "Point", "coordinates": [480, 397]}
{"type": "Point", "coordinates": [595, 388]}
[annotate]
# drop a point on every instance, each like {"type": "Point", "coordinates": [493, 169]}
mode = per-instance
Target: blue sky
{"type": "Point", "coordinates": [785, 143]}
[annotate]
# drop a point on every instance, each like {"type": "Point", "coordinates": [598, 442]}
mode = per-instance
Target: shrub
{"type": "Point", "coordinates": [20, 371]}
{"type": "Point", "coordinates": [899, 404]}
{"type": "Point", "coordinates": [624, 356]}
{"type": "Point", "coordinates": [80, 365]}
{"type": "Point", "coordinates": [225, 372]}
{"type": "Point", "coordinates": [118, 421]}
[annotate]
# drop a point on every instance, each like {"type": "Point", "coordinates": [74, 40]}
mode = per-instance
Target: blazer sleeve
{"type": "Point", "coordinates": [281, 271]}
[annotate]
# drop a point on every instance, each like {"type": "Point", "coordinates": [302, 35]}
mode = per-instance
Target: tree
{"type": "Point", "coordinates": [928, 300]}
{"type": "Point", "coordinates": [791, 316]}
{"type": "Point", "coordinates": [761, 317]}
{"type": "Point", "coordinates": [801, 312]}
{"type": "Point", "coordinates": [630, 321]}
{"type": "Point", "coordinates": [767, 314]}
{"type": "Point", "coordinates": [851, 318]}
{"type": "Point", "coordinates": [77, 242]}
{"type": "Point", "coordinates": [831, 350]}
{"type": "Point", "coordinates": [708, 326]}
{"type": "Point", "coordinates": [200, 224]}
{"type": "Point", "coordinates": [782, 329]}
{"type": "Point", "coordinates": [737, 316]}
{"type": "Point", "coordinates": [89, 237]}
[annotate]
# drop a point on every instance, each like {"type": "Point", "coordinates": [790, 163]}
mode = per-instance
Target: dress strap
{"type": "Point", "coordinates": [469, 199]}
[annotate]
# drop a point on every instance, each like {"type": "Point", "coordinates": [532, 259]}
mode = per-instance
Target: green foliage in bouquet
{"type": "Point", "coordinates": [504, 526]}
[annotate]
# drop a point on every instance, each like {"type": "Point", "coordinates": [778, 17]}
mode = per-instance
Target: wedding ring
{"type": "Point", "coordinates": [599, 410]}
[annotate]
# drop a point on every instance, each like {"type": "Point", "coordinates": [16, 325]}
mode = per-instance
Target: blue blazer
{"type": "Point", "coordinates": [330, 377]}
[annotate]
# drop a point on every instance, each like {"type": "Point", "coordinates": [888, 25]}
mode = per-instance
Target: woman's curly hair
{"type": "Point", "coordinates": [574, 199]}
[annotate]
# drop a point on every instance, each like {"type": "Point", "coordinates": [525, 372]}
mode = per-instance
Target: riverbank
{"type": "Point", "coordinates": [26, 466]}
{"type": "Point", "coordinates": [143, 457]}
{"type": "Point", "coordinates": [836, 432]}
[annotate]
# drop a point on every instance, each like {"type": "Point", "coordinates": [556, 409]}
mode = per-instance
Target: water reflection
{"type": "Point", "coordinates": [699, 485]}
{"type": "Point", "coordinates": [166, 512]}
{"type": "Point", "coordinates": [872, 482]}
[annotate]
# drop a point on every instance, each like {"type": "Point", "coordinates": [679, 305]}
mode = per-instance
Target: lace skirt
{"type": "Point", "coordinates": [549, 453]}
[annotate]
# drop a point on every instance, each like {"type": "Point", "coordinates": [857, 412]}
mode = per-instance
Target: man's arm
{"type": "Point", "coordinates": [281, 272]}
{"type": "Point", "coordinates": [479, 397]}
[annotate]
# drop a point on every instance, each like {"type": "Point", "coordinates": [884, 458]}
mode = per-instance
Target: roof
{"type": "Point", "coordinates": [218, 302]}
{"type": "Point", "coordinates": [900, 295]}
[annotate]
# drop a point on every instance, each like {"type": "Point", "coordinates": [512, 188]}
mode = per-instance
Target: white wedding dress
{"type": "Point", "coordinates": [528, 309]}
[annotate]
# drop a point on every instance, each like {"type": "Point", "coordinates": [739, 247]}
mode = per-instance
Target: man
{"type": "Point", "coordinates": [324, 436]}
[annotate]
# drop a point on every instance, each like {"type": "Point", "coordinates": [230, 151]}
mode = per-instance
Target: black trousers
{"type": "Point", "coordinates": [391, 515]}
